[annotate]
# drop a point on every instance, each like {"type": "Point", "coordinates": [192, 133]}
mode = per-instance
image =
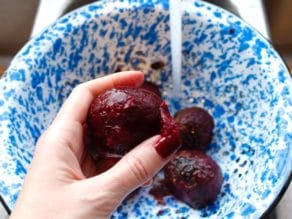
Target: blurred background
{"type": "Point", "coordinates": [21, 20]}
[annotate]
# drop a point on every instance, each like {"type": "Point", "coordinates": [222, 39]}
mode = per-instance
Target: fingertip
{"type": "Point", "coordinates": [141, 77]}
{"type": "Point", "coordinates": [136, 78]}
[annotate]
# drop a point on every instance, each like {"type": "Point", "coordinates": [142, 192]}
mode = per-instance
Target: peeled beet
{"type": "Point", "coordinates": [194, 178]}
{"type": "Point", "coordinates": [121, 118]}
{"type": "Point", "coordinates": [196, 126]}
{"type": "Point", "coordinates": [105, 163]}
{"type": "Point", "coordinates": [151, 87]}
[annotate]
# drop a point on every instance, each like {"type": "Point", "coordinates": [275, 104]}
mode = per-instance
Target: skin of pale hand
{"type": "Point", "coordinates": [61, 181]}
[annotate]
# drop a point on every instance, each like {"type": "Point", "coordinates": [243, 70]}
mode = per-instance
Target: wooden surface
{"type": "Point", "coordinates": [2, 69]}
{"type": "Point", "coordinates": [279, 16]}
{"type": "Point", "coordinates": [16, 21]}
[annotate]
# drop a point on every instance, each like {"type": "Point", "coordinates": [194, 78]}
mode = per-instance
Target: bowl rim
{"type": "Point", "coordinates": [286, 182]}
{"type": "Point", "coordinates": [276, 201]}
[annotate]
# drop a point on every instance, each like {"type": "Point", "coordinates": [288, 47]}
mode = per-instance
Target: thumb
{"type": "Point", "coordinates": [139, 165]}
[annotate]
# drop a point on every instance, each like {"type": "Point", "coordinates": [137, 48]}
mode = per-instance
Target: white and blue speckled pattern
{"type": "Point", "coordinates": [228, 68]}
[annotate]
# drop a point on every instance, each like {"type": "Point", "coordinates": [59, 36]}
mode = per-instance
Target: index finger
{"type": "Point", "coordinates": [77, 105]}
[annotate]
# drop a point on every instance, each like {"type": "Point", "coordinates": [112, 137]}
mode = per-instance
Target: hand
{"type": "Point", "coordinates": [61, 181]}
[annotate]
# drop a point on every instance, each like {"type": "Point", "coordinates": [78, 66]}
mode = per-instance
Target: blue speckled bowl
{"type": "Point", "coordinates": [228, 68]}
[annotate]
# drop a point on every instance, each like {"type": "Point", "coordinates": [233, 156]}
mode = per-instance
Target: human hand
{"type": "Point", "coordinates": [62, 181]}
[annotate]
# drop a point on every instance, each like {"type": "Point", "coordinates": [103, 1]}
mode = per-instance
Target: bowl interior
{"type": "Point", "coordinates": [228, 69]}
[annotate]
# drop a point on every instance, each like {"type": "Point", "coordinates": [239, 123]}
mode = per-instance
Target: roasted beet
{"type": "Point", "coordinates": [196, 127]}
{"type": "Point", "coordinates": [151, 87]}
{"type": "Point", "coordinates": [193, 177]}
{"type": "Point", "coordinates": [170, 140]}
{"type": "Point", "coordinates": [121, 118]}
{"type": "Point", "coordinates": [106, 163]}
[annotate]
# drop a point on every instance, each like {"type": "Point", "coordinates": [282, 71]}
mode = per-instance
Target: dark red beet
{"type": "Point", "coordinates": [106, 163]}
{"type": "Point", "coordinates": [193, 177]}
{"type": "Point", "coordinates": [151, 87]}
{"type": "Point", "coordinates": [121, 118]}
{"type": "Point", "coordinates": [169, 141]}
{"type": "Point", "coordinates": [196, 126]}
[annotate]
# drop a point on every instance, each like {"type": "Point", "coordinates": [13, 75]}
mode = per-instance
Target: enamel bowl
{"type": "Point", "coordinates": [228, 68]}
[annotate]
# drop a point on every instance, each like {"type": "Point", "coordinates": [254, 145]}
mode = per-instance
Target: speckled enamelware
{"type": "Point", "coordinates": [228, 68]}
